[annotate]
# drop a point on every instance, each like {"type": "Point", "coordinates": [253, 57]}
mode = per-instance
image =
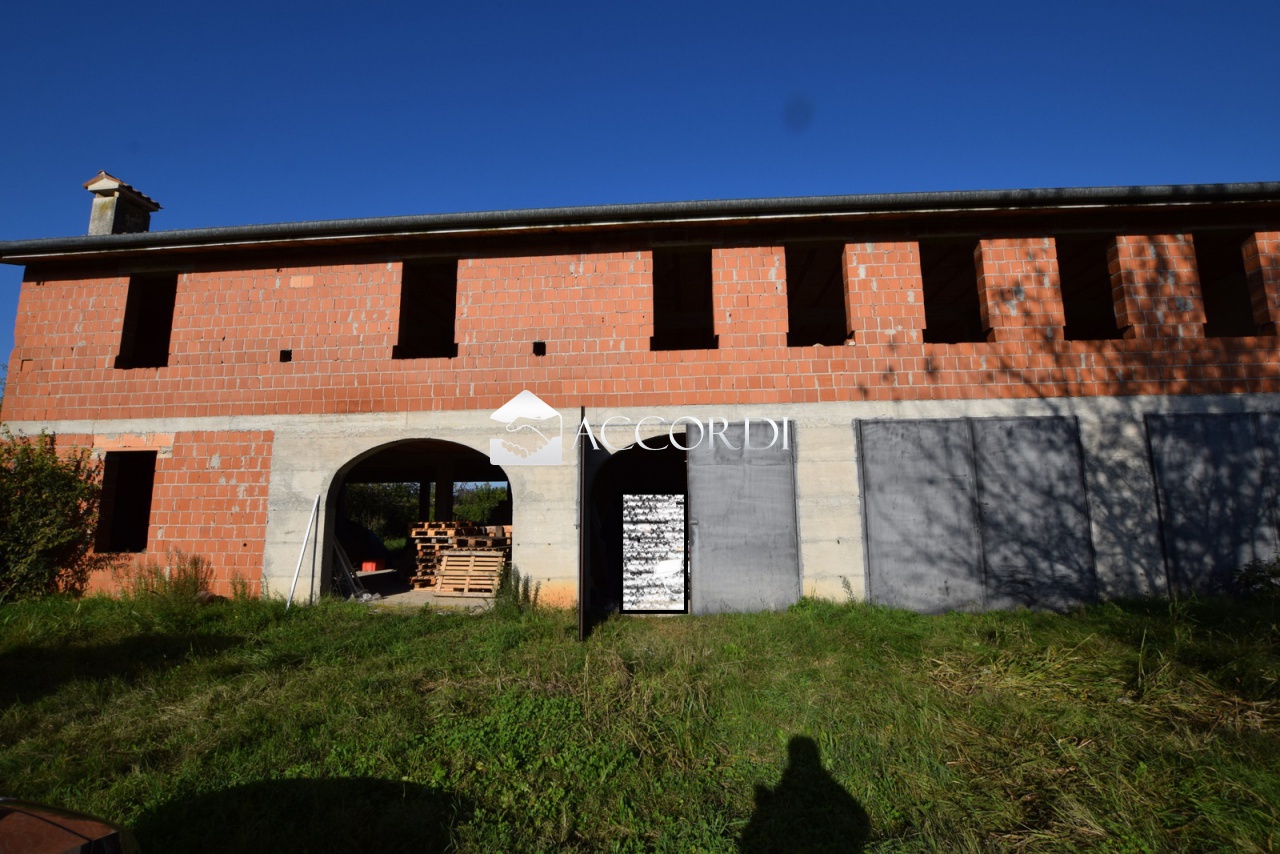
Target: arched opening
{"type": "Point", "coordinates": [637, 544]}
{"type": "Point", "coordinates": [380, 505]}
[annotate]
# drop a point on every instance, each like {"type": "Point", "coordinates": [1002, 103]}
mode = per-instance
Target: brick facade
{"type": "Point", "coordinates": [209, 498]}
{"type": "Point", "coordinates": [591, 308]}
{"type": "Point", "coordinates": [1262, 266]}
{"type": "Point", "coordinates": [1155, 286]}
{"type": "Point", "coordinates": [593, 311]}
{"type": "Point", "coordinates": [1018, 292]}
{"type": "Point", "coordinates": [884, 295]}
{"type": "Point", "coordinates": [750, 297]}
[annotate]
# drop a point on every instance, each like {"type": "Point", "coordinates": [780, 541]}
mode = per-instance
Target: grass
{"type": "Point", "coordinates": [235, 726]}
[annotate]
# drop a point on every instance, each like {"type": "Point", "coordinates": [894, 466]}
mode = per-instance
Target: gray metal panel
{"type": "Point", "coordinates": [1267, 428]}
{"type": "Point", "coordinates": [924, 550]}
{"type": "Point", "coordinates": [1213, 487]}
{"type": "Point", "coordinates": [1034, 513]}
{"type": "Point", "coordinates": [742, 516]}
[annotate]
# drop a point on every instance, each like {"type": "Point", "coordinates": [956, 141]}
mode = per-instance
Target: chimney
{"type": "Point", "coordinates": [117, 207]}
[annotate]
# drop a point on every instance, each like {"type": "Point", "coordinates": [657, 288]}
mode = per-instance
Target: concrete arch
{"type": "Point", "coordinates": [312, 462]}
{"type": "Point", "coordinates": [422, 460]}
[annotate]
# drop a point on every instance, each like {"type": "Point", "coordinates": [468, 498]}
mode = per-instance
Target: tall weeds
{"type": "Point", "coordinates": [516, 594]}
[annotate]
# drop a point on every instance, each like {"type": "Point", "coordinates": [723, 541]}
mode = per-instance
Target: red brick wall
{"type": "Point", "coordinates": [65, 336]}
{"type": "Point", "coordinates": [1156, 286]}
{"type": "Point", "coordinates": [594, 313]}
{"type": "Point", "coordinates": [590, 305]}
{"type": "Point", "coordinates": [1262, 266]}
{"type": "Point", "coordinates": [884, 294]}
{"type": "Point", "coordinates": [750, 297]}
{"type": "Point", "coordinates": [209, 499]}
{"type": "Point", "coordinates": [1018, 290]}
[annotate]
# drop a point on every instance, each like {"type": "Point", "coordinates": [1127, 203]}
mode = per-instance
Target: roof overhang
{"type": "Point", "coordinates": [338, 233]}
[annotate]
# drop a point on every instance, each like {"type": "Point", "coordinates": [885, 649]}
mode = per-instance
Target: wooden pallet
{"type": "Point", "coordinates": [430, 544]}
{"type": "Point", "coordinates": [470, 572]}
{"type": "Point", "coordinates": [446, 529]}
{"type": "Point", "coordinates": [483, 543]}
{"type": "Point", "coordinates": [435, 541]}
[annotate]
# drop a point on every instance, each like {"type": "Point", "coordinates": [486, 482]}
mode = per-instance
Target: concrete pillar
{"type": "Point", "coordinates": [424, 500]}
{"type": "Point", "coordinates": [1122, 505]}
{"type": "Point", "coordinates": [828, 508]}
{"type": "Point", "coordinates": [444, 496]}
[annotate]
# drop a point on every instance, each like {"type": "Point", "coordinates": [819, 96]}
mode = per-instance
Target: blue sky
{"type": "Point", "coordinates": [236, 113]}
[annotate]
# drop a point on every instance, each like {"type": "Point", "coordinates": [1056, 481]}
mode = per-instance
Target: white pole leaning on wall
{"type": "Point", "coordinates": [311, 521]}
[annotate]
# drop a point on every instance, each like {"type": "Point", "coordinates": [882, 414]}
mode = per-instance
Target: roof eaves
{"type": "Point", "coordinates": [600, 216]}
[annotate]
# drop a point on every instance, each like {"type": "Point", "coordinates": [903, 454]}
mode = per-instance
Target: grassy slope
{"type": "Point", "coordinates": [237, 727]}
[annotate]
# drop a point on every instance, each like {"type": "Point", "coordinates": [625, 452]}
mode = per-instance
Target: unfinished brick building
{"type": "Point", "coordinates": [979, 399]}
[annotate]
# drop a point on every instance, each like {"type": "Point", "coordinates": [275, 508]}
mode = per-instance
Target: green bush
{"type": "Point", "coordinates": [48, 514]}
{"type": "Point", "coordinates": [1259, 577]}
{"type": "Point", "coordinates": [387, 509]}
{"type": "Point", "coordinates": [184, 577]}
{"type": "Point", "coordinates": [476, 502]}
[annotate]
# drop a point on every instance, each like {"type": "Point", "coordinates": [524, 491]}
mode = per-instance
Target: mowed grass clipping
{"type": "Point", "coordinates": [238, 727]}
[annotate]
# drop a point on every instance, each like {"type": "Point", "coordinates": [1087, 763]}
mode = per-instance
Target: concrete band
{"type": "Point", "coordinates": [310, 453]}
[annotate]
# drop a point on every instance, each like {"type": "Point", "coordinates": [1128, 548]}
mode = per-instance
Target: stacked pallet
{"type": "Point", "coordinates": [470, 572]}
{"type": "Point", "coordinates": [434, 540]}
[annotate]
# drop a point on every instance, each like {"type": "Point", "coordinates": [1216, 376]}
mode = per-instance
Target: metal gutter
{"type": "Point", "coordinates": [617, 216]}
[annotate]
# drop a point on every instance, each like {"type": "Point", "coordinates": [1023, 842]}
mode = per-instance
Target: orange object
{"type": "Point", "coordinates": [371, 566]}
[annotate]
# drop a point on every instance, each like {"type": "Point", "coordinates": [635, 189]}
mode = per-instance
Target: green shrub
{"type": "Point", "coordinates": [183, 577]}
{"type": "Point", "coordinates": [1259, 577]}
{"type": "Point", "coordinates": [477, 502]}
{"type": "Point", "coordinates": [48, 515]}
{"type": "Point", "coordinates": [169, 597]}
{"type": "Point", "coordinates": [386, 509]}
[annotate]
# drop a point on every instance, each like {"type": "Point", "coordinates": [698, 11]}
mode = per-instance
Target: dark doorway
{"type": "Point", "coordinates": [428, 306]}
{"type": "Point", "coordinates": [634, 471]}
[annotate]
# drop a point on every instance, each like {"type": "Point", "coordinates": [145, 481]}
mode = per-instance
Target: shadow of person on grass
{"type": "Point", "coordinates": [285, 816]}
{"type": "Point", "coordinates": [808, 811]}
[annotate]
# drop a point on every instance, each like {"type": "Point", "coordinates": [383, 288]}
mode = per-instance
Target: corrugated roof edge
{"type": "Point", "coordinates": [711, 210]}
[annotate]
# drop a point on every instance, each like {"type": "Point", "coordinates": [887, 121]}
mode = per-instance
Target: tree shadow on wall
{"type": "Point", "coordinates": [807, 812]}
{"type": "Point", "coordinates": [283, 816]}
